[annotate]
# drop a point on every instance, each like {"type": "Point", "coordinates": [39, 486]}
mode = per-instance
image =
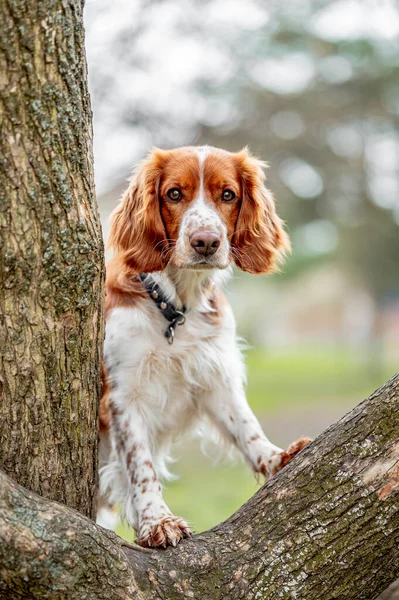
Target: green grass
{"type": "Point", "coordinates": [277, 380]}
{"type": "Point", "coordinates": [207, 494]}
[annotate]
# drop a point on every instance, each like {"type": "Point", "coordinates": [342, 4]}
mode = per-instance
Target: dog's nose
{"type": "Point", "coordinates": [205, 242]}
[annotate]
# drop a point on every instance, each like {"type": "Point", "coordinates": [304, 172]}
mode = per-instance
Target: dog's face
{"type": "Point", "coordinates": [200, 200]}
{"type": "Point", "coordinates": [198, 208]}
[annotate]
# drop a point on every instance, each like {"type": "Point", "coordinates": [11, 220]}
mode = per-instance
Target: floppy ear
{"type": "Point", "coordinates": [259, 238]}
{"type": "Point", "coordinates": [137, 231]}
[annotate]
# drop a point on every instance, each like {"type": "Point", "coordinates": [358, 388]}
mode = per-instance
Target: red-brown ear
{"type": "Point", "coordinates": [259, 240]}
{"type": "Point", "coordinates": [137, 232]}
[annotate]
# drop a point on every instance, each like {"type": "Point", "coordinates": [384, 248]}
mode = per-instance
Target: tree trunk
{"type": "Point", "coordinates": [51, 263]}
{"type": "Point", "coordinates": [325, 527]}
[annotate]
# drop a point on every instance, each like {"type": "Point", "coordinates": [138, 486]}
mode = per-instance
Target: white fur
{"type": "Point", "coordinates": [162, 390]}
{"type": "Point", "coordinates": [107, 518]}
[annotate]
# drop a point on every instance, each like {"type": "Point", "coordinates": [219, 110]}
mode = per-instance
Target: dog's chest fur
{"type": "Point", "coordinates": [167, 381]}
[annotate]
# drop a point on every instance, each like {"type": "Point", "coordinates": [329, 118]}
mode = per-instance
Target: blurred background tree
{"type": "Point", "coordinates": [313, 88]}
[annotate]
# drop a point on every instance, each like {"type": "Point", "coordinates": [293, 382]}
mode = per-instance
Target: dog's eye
{"type": "Point", "coordinates": [174, 194]}
{"type": "Point", "coordinates": [228, 196]}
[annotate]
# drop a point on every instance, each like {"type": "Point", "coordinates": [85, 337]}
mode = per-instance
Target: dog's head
{"type": "Point", "coordinates": [198, 208]}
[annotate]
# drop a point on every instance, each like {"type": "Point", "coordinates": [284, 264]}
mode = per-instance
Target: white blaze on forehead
{"type": "Point", "coordinates": [202, 152]}
{"type": "Point", "coordinates": [202, 213]}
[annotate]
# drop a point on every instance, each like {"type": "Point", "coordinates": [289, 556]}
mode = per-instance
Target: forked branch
{"type": "Point", "coordinates": [325, 527]}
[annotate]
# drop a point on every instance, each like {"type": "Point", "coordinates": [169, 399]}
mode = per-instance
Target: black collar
{"type": "Point", "coordinates": [169, 311]}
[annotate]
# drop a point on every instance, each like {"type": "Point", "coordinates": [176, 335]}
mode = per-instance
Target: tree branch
{"type": "Point", "coordinates": [327, 526]}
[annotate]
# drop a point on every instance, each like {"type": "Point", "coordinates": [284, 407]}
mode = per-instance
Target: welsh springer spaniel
{"type": "Point", "coordinates": [186, 216]}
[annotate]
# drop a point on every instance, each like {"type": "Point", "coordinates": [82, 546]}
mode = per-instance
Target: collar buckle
{"type": "Point", "coordinates": [170, 334]}
{"type": "Point", "coordinates": [171, 314]}
{"type": "Point", "coordinates": [181, 318]}
{"type": "Point", "coordinates": [170, 330]}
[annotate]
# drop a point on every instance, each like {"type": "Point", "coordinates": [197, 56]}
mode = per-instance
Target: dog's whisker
{"type": "Point", "coordinates": [240, 253]}
{"type": "Point", "coordinates": [162, 242]}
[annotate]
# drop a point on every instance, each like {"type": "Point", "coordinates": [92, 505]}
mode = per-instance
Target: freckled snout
{"type": "Point", "coordinates": [205, 242]}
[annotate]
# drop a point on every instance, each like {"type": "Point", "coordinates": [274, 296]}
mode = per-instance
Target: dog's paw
{"type": "Point", "coordinates": [168, 531]}
{"type": "Point", "coordinates": [287, 455]}
{"type": "Point", "coordinates": [270, 465]}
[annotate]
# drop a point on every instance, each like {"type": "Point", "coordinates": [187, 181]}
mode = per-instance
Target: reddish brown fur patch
{"type": "Point", "coordinates": [259, 239]}
{"type": "Point", "coordinates": [293, 450]}
{"type": "Point", "coordinates": [123, 286]}
{"type": "Point", "coordinates": [104, 402]}
{"type": "Point", "coordinates": [137, 231]}
{"type": "Point", "coordinates": [108, 411]}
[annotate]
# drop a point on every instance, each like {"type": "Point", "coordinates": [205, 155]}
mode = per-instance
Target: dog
{"type": "Point", "coordinates": [171, 358]}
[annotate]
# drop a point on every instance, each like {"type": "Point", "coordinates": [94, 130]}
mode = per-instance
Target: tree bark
{"type": "Point", "coordinates": [51, 263]}
{"type": "Point", "coordinates": [325, 527]}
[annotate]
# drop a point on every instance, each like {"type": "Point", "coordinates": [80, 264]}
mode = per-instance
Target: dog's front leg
{"type": "Point", "coordinates": [144, 507]}
{"type": "Point", "coordinates": [229, 410]}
